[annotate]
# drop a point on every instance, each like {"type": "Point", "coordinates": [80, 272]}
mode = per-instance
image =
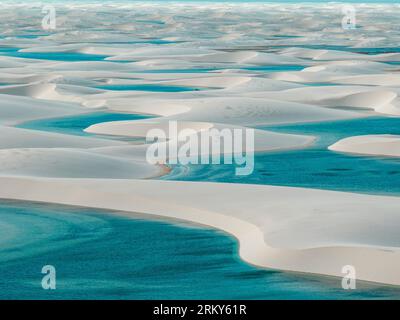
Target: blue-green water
{"type": "Point", "coordinates": [55, 56]}
{"type": "Point", "coordinates": [139, 41]}
{"type": "Point", "coordinates": [98, 255]}
{"type": "Point", "coordinates": [77, 56]}
{"type": "Point", "coordinates": [30, 36]}
{"type": "Point", "coordinates": [346, 48]}
{"type": "Point", "coordinates": [316, 166]}
{"type": "Point", "coordinates": [70, 56]}
{"type": "Point", "coordinates": [77, 123]}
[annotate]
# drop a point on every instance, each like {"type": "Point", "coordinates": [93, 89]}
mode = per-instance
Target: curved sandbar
{"type": "Point", "coordinates": [379, 145]}
{"type": "Point", "coordinates": [314, 232]}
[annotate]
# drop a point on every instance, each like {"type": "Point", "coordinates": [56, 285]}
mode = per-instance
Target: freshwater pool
{"type": "Point", "coordinates": [75, 124]}
{"type": "Point", "coordinates": [98, 255]}
{"type": "Point", "coordinates": [53, 56]}
{"type": "Point", "coordinates": [315, 166]}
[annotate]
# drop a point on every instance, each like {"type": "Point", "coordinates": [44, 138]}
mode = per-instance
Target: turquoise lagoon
{"type": "Point", "coordinates": [105, 255]}
{"type": "Point", "coordinates": [315, 166]}
{"type": "Point", "coordinates": [75, 124]}
{"type": "Point", "coordinates": [54, 56]}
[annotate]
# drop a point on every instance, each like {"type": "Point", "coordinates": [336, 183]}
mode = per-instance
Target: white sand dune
{"type": "Point", "coordinates": [83, 48]}
{"type": "Point", "coordinates": [349, 76]}
{"type": "Point", "coordinates": [255, 84]}
{"type": "Point", "coordinates": [160, 107]}
{"type": "Point", "coordinates": [71, 163]}
{"type": "Point", "coordinates": [37, 90]}
{"type": "Point", "coordinates": [11, 137]}
{"type": "Point", "coordinates": [383, 145]}
{"type": "Point", "coordinates": [231, 110]}
{"type": "Point", "coordinates": [74, 47]}
{"type": "Point", "coordinates": [91, 66]}
{"type": "Point", "coordinates": [10, 62]}
{"type": "Point", "coordinates": [140, 128]}
{"type": "Point", "coordinates": [351, 97]}
{"type": "Point", "coordinates": [158, 53]}
{"type": "Point", "coordinates": [16, 109]}
{"type": "Point", "coordinates": [210, 82]}
{"type": "Point", "coordinates": [226, 57]}
{"type": "Point", "coordinates": [11, 78]}
{"type": "Point", "coordinates": [374, 100]}
{"type": "Point", "coordinates": [237, 82]}
{"type": "Point", "coordinates": [329, 55]}
{"type": "Point", "coordinates": [249, 57]}
{"type": "Point", "coordinates": [387, 79]}
{"type": "Point", "coordinates": [347, 67]}
{"type": "Point", "coordinates": [263, 140]}
{"type": "Point", "coordinates": [257, 111]}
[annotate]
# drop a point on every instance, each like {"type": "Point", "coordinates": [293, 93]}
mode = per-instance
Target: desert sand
{"type": "Point", "coordinates": [383, 145]}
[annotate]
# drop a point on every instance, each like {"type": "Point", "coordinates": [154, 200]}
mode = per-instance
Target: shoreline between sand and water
{"type": "Point", "coordinates": [372, 264]}
{"type": "Point", "coordinates": [198, 252]}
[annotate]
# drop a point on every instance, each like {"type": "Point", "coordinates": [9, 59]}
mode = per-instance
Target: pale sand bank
{"type": "Point", "coordinates": [379, 145]}
{"type": "Point", "coordinates": [293, 229]}
{"type": "Point", "coordinates": [72, 163]}
{"type": "Point", "coordinates": [11, 138]}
